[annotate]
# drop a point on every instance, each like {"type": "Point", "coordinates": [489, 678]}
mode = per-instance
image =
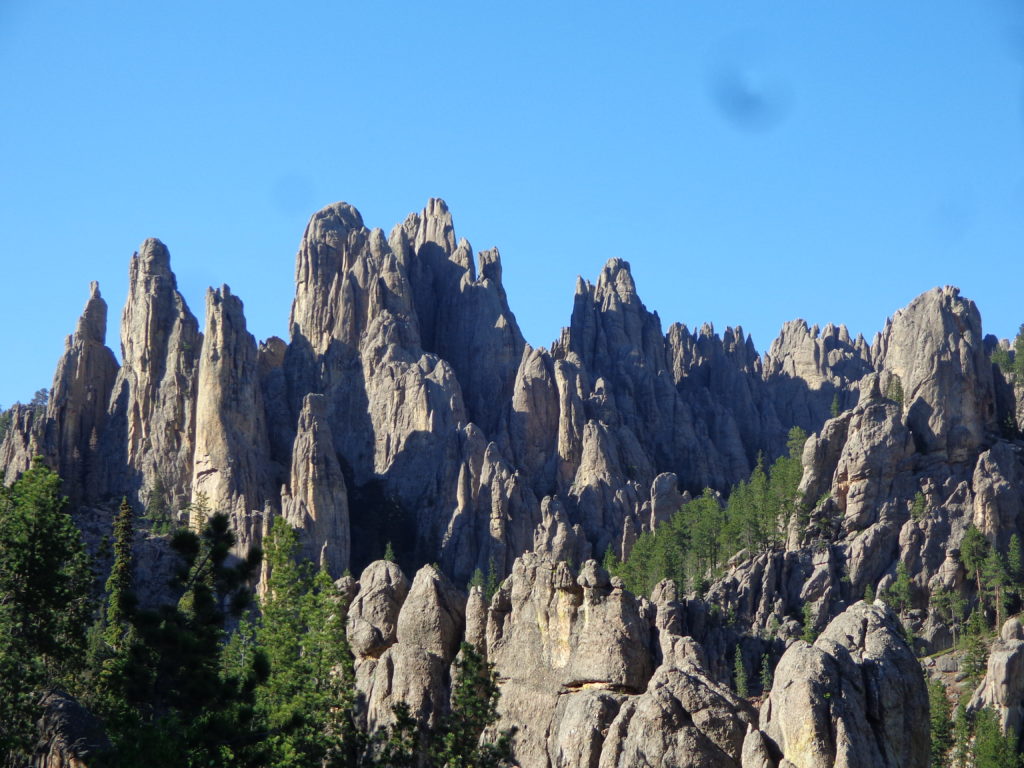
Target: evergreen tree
{"type": "Point", "coordinates": [740, 674]}
{"type": "Point", "coordinates": [45, 605]}
{"type": "Point", "coordinates": [900, 591]}
{"type": "Point", "coordinates": [961, 737]}
{"type": "Point", "coordinates": [993, 749]}
{"type": "Point", "coordinates": [973, 551]}
{"type": "Point", "coordinates": [976, 647]}
{"type": "Point", "coordinates": [995, 579]}
{"type": "Point", "coordinates": [810, 633]}
{"type": "Point", "coordinates": [307, 700]}
{"type": "Point", "coordinates": [474, 706]}
{"type": "Point", "coordinates": [941, 723]}
{"type": "Point", "coordinates": [767, 673]}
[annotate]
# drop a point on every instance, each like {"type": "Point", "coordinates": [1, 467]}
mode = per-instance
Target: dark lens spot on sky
{"type": "Point", "coordinates": [745, 89]}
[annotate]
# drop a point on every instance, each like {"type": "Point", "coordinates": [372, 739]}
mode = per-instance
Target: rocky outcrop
{"type": "Point", "coordinates": [933, 353]}
{"type": "Point", "coordinates": [149, 441]}
{"type": "Point", "coordinates": [856, 697]}
{"type": "Point", "coordinates": [69, 735]}
{"type": "Point", "coordinates": [1002, 688]}
{"type": "Point", "coordinates": [415, 669]}
{"type": "Point", "coordinates": [231, 471]}
{"type": "Point", "coordinates": [316, 499]}
{"type": "Point", "coordinates": [810, 369]}
{"type": "Point", "coordinates": [77, 410]}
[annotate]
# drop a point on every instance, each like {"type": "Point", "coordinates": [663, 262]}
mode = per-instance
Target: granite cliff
{"type": "Point", "coordinates": [406, 408]}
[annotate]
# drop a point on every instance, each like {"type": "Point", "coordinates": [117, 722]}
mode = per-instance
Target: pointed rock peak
{"type": "Point", "coordinates": [92, 325]}
{"type": "Point", "coordinates": [581, 285]}
{"type": "Point", "coordinates": [432, 225]}
{"type": "Point", "coordinates": [490, 265]}
{"type": "Point", "coordinates": [463, 256]}
{"type": "Point", "coordinates": [616, 277]}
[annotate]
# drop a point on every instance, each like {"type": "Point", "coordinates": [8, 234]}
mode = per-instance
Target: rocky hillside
{"type": "Point", "coordinates": [407, 409]}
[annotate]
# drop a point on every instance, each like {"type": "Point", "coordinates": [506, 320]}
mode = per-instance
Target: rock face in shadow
{"type": "Point", "coordinates": [316, 500]}
{"type": "Point", "coordinates": [856, 697]}
{"type": "Point", "coordinates": [69, 735]}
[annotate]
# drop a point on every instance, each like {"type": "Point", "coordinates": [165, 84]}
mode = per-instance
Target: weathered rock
{"type": "Point", "coordinates": [551, 637]}
{"type": "Point", "coordinates": [77, 409]}
{"type": "Point", "coordinates": [149, 441]}
{"type": "Point", "coordinates": [69, 735]}
{"type": "Point", "coordinates": [856, 697]}
{"type": "Point", "coordinates": [232, 471]}
{"type": "Point", "coordinates": [373, 614]}
{"type": "Point", "coordinates": [415, 670]}
{"type": "Point", "coordinates": [933, 352]}
{"type": "Point", "coordinates": [1002, 688]}
{"type": "Point", "coordinates": [317, 499]}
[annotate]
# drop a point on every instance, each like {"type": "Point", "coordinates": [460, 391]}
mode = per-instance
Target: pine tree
{"type": "Point", "coordinates": [474, 706]}
{"type": "Point", "coordinates": [45, 605]}
{"type": "Point", "coordinates": [307, 700]}
{"type": "Point", "coordinates": [120, 596]}
{"type": "Point", "coordinates": [740, 674]}
{"type": "Point", "coordinates": [973, 551]}
{"type": "Point", "coordinates": [976, 647]}
{"type": "Point", "coordinates": [961, 737]}
{"type": "Point", "coordinates": [941, 725]}
{"type": "Point", "coordinates": [767, 673]}
{"type": "Point", "coordinates": [993, 749]}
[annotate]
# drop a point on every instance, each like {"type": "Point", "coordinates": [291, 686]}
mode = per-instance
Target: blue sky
{"type": "Point", "coordinates": [755, 162]}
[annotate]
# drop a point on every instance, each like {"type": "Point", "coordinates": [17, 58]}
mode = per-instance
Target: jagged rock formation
{"type": "Point", "coordinates": [149, 442]}
{"type": "Point", "coordinates": [407, 408]}
{"type": "Point", "coordinates": [856, 697]}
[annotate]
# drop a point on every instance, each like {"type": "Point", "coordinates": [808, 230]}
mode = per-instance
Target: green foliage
{"type": "Point", "coordinates": [767, 673]}
{"type": "Point", "coordinates": [894, 390]}
{"type": "Point", "coordinates": [5, 422]}
{"type": "Point", "coordinates": [973, 550]}
{"type": "Point", "coordinates": [39, 400]}
{"type": "Point", "coordinates": [161, 687]}
{"type": "Point", "coordinates": [307, 700]}
{"type": "Point", "coordinates": [976, 647]}
{"type": "Point", "coordinates": [490, 584]}
{"type": "Point", "coordinates": [961, 737]}
{"type": "Point", "coordinates": [159, 514]}
{"type": "Point", "coordinates": [834, 408]}
{"type": "Point", "coordinates": [810, 633]}
{"type": "Point", "coordinates": [740, 674]}
{"type": "Point", "coordinates": [995, 580]}
{"type": "Point", "coordinates": [389, 553]}
{"type": "Point", "coordinates": [694, 544]}
{"type": "Point", "coordinates": [941, 723]}
{"type": "Point", "coordinates": [992, 748]}
{"type": "Point", "coordinates": [899, 594]}
{"type": "Point", "coordinates": [474, 706]}
{"type": "Point", "coordinates": [869, 593]}
{"type": "Point", "coordinates": [950, 607]}
{"type": "Point", "coordinates": [45, 606]}
{"type": "Point", "coordinates": [918, 507]}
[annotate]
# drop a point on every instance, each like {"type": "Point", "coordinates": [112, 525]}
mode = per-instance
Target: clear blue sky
{"type": "Point", "coordinates": [755, 162]}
